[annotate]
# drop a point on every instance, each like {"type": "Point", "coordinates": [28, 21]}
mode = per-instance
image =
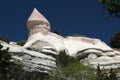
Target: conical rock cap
{"type": "Point", "coordinates": [37, 19]}
{"type": "Point", "coordinates": [37, 16]}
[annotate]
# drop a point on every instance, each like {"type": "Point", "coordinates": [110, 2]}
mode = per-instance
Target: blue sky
{"type": "Point", "coordinates": [68, 17]}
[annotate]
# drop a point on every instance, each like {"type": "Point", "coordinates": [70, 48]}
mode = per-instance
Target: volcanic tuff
{"type": "Point", "coordinates": [36, 54]}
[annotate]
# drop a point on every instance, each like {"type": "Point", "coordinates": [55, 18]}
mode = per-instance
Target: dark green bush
{"type": "Point", "coordinates": [62, 59]}
{"type": "Point", "coordinates": [21, 43]}
{"type": "Point", "coordinates": [57, 32]}
{"type": "Point", "coordinates": [8, 69]}
{"type": "Point", "coordinates": [111, 6]}
{"type": "Point", "coordinates": [115, 40]}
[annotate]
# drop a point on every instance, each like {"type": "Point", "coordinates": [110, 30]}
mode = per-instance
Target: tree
{"type": "Point", "coordinates": [100, 75]}
{"type": "Point", "coordinates": [21, 43]}
{"type": "Point", "coordinates": [112, 75]}
{"type": "Point", "coordinates": [115, 40]}
{"type": "Point", "coordinates": [8, 69]}
{"type": "Point", "coordinates": [112, 6]}
{"type": "Point", "coordinates": [62, 59]}
{"type": "Point", "coordinates": [5, 63]}
{"type": "Point", "coordinates": [77, 71]}
{"type": "Point", "coordinates": [57, 32]}
{"type": "Point", "coordinates": [69, 68]}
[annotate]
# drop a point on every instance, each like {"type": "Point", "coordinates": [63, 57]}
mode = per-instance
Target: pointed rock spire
{"type": "Point", "coordinates": [36, 15]}
{"type": "Point", "coordinates": [37, 18]}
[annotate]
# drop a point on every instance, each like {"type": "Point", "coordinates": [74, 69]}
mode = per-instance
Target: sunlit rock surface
{"type": "Point", "coordinates": [89, 50]}
{"type": "Point", "coordinates": [32, 60]}
{"type": "Point", "coordinates": [94, 52]}
{"type": "Point", "coordinates": [42, 45]}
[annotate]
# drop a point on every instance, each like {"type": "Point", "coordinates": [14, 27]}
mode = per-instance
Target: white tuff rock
{"type": "Point", "coordinates": [46, 44]}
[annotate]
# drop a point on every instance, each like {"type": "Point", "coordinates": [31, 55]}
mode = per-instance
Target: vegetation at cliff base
{"type": "Point", "coordinates": [8, 69]}
{"type": "Point", "coordinates": [68, 68]}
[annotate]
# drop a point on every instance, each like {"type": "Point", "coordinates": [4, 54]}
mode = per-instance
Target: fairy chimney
{"type": "Point", "coordinates": [37, 23]}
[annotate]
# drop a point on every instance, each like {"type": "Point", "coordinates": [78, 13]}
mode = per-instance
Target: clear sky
{"type": "Point", "coordinates": [85, 17]}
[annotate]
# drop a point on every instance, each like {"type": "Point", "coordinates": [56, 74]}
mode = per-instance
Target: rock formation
{"type": "Point", "coordinates": [32, 60]}
{"type": "Point", "coordinates": [43, 44]}
{"type": "Point", "coordinates": [38, 23]}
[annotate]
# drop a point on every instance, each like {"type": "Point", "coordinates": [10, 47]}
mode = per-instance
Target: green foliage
{"type": "Point", "coordinates": [21, 43]}
{"type": "Point", "coordinates": [62, 59]}
{"type": "Point", "coordinates": [102, 75]}
{"type": "Point", "coordinates": [34, 76]}
{"type": "Point", "coordinates": [101, 1]}
{"type": "Point", "coordinates": [16, 71]}
{"type": "Point", "coordinates": [8, 69]}
{"type": "Point", "coordinates": [57, 32]}
{"type": "Point", "coordinates": [69, 68]}
{"type": "Point", "coordinates": [4, 63]}
{"type": "Point", "coordinates": [113, 75]}
{"type": "Point", "coordinates": [78, 71]}
{"type": "Point", "coordinates": [56, 74]}
{"type": "Point", "coordinates": [112, 6]}
{"type": "Point", "coordinates": [115, 40]}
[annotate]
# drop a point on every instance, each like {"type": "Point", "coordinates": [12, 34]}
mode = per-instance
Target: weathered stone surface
{"type": "Point", "coordinates": [32, 60]}
{"type": "Point", "coordinates": [88, 50]}
{"type": "Point", "coordinates": [45, 45]}
{"type": "Point", "coordinates": [92, 56]}
{"type": "Point", "coordinates": [37, 20]}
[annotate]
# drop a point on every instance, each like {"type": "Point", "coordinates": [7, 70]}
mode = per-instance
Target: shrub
{"type": "Point", "coordinates": [69, 68]}
{"type": "Point", "coordinates": [57, 32]}
{"type": "Point", "coordinates": [21, 43]}
{"type": "Point", "coordinates": [62, 59]}
{"type": "Point", "coordinates": [115, 40]}
{"type": "Point", "coordinates": [8, 69]}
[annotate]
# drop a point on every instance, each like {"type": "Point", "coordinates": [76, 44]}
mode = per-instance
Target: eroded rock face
{"type": "Point", "coordinates": [32, 60]}
{"type": "Point", "coordinates": [88, 50]}
{"type": "Point", "coordinates": [37, 23]}
{"type": "Point", "coordinates": [92, 52]}
{"type": "Point", "coordinates": [43, 45]}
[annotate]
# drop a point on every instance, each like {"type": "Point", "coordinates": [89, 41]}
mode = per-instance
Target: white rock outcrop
{"type": "Point", "coordinates": [32, 60]}
{"type": "Point", "coordinates": [47, 44]}
{"type": "Point", "coordinates": [88, 50]}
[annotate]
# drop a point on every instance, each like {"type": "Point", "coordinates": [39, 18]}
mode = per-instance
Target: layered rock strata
{"type": "Point", "coordinates": [42, 45]}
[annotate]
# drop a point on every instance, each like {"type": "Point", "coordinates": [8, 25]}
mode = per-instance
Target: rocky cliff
{"type": "Point", "coordinates": [42, 45]}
